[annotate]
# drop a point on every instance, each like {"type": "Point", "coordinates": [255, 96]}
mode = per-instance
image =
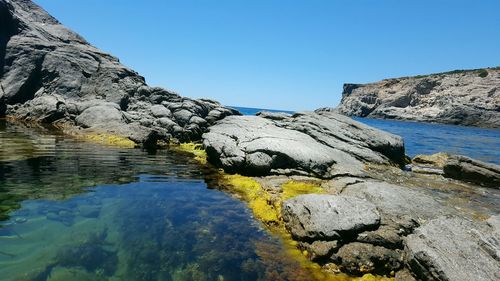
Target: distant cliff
{"type": "Point", "coordinates": [460, 97]}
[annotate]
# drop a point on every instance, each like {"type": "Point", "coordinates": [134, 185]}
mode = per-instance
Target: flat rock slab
{"type": "Point", "coordinates": [328, 217]}
{"type": "Point", "coordinates": [453, 248]}
{"type": "Point", "coordinates": [399, 203]}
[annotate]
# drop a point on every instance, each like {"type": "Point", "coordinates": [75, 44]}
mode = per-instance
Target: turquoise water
{"type": "Point", "coordinates": [427, 138]}
{"type": "Point", "coordinates": [78, 211]}
{"type": "Point", "coordinates": [253, 111]}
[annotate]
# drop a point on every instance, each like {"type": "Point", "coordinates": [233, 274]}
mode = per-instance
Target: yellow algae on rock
{"type": "Point", "coordinates": [295, 188]}
{"type": "Point", "coordinates": [257, 198]}
{"type": "Point", "coordinates": [108, 139]}
{"type": "Point", "coordinates": [435, 160]}
{"type": "Point", "coordinates": [190, 147]}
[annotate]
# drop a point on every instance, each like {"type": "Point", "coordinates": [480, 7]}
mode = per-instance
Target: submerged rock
{"type": "Point", "coordinates": [453, 248]}
{"type": "Point", "coordinates": [50, 74]}
{"type": "Point", "coordinates": [321, 144]}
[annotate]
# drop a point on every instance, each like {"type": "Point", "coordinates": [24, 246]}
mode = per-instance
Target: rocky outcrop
{"type": "Point", "coordinates": [470, 98]}
{"type": "Point", "coordinates": [452, 248]}
{"type": "Point", "coordinates": [363, 228]}
{"type": "Point", "coordinates": [321, 144]}
{"type": "Point", "coordinates": [374, 226]}
{"type": "Point", "coordinates": [458, 167]}
{"type": "Point", "coordinates": [50, 74]}
{"type": "Point", "coordinates": [471, 170]}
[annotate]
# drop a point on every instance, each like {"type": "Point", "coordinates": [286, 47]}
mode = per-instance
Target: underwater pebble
{"type": "Point", "coordinates": [21, 220]}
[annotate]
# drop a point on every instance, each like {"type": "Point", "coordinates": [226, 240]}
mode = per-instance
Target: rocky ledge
{"type": "Point", "coordinates": [321, 144]}
{"type": "Point", "coordinates": [467, 97]}
{"type": "Point", "coordinates": [378, 227]}
{"type": "Point", "coordinates": [50, 74]}
{"type": "Point", "coordinates": [377, 211]}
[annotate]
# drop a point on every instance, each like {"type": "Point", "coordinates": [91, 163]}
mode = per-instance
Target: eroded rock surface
{"type": "Point", "coordinates": [50, 74]}
{"type": "Point", "coordinates": [469, 98]}
{"type": "Point", "coordinates": [328, 217]}
{"type": "Point", "coordinates": [321, 144]}
{"type": "Point", "coordinates": [363, 228]}
{"type": "Point", "coordinates": [453, 248]}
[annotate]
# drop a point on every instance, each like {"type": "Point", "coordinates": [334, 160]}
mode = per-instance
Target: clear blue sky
{"type": "Point", "coordinates": [285, 54]}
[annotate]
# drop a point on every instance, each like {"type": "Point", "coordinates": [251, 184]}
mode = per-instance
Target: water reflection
{"type": "Point", "coordinates": [78, 211]}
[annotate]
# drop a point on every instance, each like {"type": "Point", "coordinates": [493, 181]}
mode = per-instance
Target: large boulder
{"type": "Point", "coordinates": [50, 74]}
{"type": "Point", "coordinates": [321, 144]}
{"type": "Point", "coordinates": [328, 217]}
{"type": "Point", "coordinates": [453, 248]}
{"type": "Point", "coordinates": [98, 115]}
{"type": "Point", "coordinates": [471, 170]}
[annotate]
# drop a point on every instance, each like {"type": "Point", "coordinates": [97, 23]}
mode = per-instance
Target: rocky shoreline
{"type": "Point", "coordinates": [377, 211]}
{"type": "Point", "coordinates": [460, 97]}
{"type": "Point", "coordinates": [50, 74]}
{"type": "Point", "coordinates": [346, 193]}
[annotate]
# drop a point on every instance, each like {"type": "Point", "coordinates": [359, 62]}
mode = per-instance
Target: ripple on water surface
{"type": "Point", "coordinates": [153, 229]}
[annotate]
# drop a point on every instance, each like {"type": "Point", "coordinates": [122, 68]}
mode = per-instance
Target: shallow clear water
{"type": "Point", "coordinates": [78, 211]}
{"type": "Point", "coordinates": [427, 138]}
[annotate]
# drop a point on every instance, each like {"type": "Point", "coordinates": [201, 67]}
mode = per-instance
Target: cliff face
{"type": "Point", "coordinates": [470, 98]}
{"type": "Point", "coordinates": [50, 74]}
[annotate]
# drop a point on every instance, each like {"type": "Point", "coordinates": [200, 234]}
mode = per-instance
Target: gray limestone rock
{"type": "Point", "coordinates": [400, 204]}
{"type": "Point", "coordinates": [50, 74]}
{"type": "Point", "coordinates": [99, 115]}
{"type": "Point", "coordinates": [453, 248]}
{"type": "Point", "coordinates": [321, 144]}
{"type": "Point", "coordinates": [471, 170]}
{"type": "Point", "coordinates": [319, 250]}
{"type": "Point", "coordinates": [328, 217]}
